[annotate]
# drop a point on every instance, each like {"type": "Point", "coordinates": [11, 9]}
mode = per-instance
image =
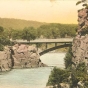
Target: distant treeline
{"type": "Point", "coordinates": [52, 31]}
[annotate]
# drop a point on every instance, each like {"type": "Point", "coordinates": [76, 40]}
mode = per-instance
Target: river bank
{"type": "Point", "coordinates": [34, 77]}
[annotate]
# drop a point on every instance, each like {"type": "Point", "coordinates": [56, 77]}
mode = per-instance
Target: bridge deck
{"type": "Point", "coordinates": [51, 40]}
{"type": "Point", "coordinates": [61, 40]}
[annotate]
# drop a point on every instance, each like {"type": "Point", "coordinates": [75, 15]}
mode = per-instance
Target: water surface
{"type": "Point", "coordinates": [32, 78]}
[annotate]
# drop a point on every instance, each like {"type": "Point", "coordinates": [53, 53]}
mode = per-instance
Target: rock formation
{"type": "Point", "coordinates": [80, 42]}
{"type": "Point", "coordinates": [26, 56]}
{"type": "Point", "coordinates": [64, 85]}
{"type": "Point", "coordinates": [19, 56]}
{"type": "Point", "coordinates": [5, 60]}
{"type": "Point", "coordinates": [82, 21]}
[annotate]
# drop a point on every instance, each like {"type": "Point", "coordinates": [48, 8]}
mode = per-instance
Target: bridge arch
{"type": "Point", "coordinates": [66, 42]}
{"type": "Point", "coordinates": [54, 48]}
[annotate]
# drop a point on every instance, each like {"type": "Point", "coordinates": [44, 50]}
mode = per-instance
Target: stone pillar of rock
{"type": "Point", "coordinates": [5, 60]}
{"type": "Point", "coordinates": [26, 56]}
{"type": "Point", "coordinates": [80, 42]}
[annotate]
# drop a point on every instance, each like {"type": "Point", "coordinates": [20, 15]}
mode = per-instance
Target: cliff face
{"type": "Point", "coordinates": [82, 21]}
{"type": "Point", "coordinates": [19, 56]}
{"type": "Point", "coordinates": [26, 56]}
{"type": "Point", "coordinates": [80, 42]}
{"type": "Point", "coordinates": [5, 60]}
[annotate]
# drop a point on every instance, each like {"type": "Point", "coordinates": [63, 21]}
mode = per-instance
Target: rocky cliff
{"type": "Point", "coordinates": [80, 42]}
{"type": "Point", "coordinates": [19, 56]}
{"type": "Point", "coordinates": [5, 60]}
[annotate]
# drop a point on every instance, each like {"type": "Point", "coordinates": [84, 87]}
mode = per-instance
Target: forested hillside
{"type": "Point", "coordinates": [48, 31]}
{"type": "Point", "coordinates": [18, 23]}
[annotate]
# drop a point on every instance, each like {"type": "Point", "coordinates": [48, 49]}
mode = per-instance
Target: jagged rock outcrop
{"type": "Point", "coordinates": [80, 42]}
{"type": "Point", "coordinates": [82, 21]}
{"type": "Point", "coordinates": [5, 60]}
{"type": "Point", "coordinates": [19, 56]}
{"type": "Point", "coordinates": [26, 56]}
{"type": "Point", "coordinates": [80, 49]}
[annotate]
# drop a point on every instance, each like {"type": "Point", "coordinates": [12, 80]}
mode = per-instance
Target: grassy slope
{"type": "Point", "coordinates": [18, 23]}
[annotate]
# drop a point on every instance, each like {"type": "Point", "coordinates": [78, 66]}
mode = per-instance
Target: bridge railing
{"type": "Point", "coordinates": [60, 40]}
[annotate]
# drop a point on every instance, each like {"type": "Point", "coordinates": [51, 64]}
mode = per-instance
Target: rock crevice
{"type": "Point", "coordinates": [19, 56]}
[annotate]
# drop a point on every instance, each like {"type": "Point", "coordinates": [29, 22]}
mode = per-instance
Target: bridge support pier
{"type": "Point", "coordinates": [55, 44]}
{"type": "Point", "coordinates": [37, 45]}
{"type": "Point", "coordinates": [46, 45]}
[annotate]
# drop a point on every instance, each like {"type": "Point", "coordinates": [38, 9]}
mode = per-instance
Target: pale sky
{"type": "Point", "coordinates": [50, 11]}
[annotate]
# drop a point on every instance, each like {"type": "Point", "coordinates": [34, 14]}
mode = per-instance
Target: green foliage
{"type": "Point", "coordinates": [78, 2]}
{"type": "Point", "coordinates": [56, 31]}
{"type": "Point", "coordinates": [72, 77]}
{"type": "Point", "coordinates": [69, 75]}
{"type": "Point", "coordinates": [84, 3]}
{"type": "Point", "coordinates": [4, 40]}
{"type": "Point", "coordinates": [1, 29]}
{"type": "Point", "coordinates": [58, 76]}
{"type": "Point", "coordinates": [68, 59]}
{"type": "Point", "coordinates": [29, 33]}
{"type": "Point", "coordinates": [81, 67]}
{"type": "Point", "coordinates": [85, 31]}
{"type": "Point", "coordinates": [86, 83]}
{"type": "Point", "coordinates": [80, 74]}
{"type": "Point", "coordinates": [1, 47]}
{"type": "Point", "coordinates": [16, 34]}
{"type": "Point", "coordinates": [45, 31]}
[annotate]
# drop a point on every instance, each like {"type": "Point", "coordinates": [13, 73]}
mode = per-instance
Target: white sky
{"type": "Point", "coordinates": [56, 11]}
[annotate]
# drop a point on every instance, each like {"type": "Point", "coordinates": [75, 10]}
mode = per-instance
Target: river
{"type": "Point", "coordinates": [35, 77]}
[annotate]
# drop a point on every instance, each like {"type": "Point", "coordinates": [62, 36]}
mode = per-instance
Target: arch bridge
{"type": "Point", "coordinates": [63, 42]}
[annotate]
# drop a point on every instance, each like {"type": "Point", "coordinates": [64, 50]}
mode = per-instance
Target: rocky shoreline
{"type": "Point", "coordinates": [19, 56]}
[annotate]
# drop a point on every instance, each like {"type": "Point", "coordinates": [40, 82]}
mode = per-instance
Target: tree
{"type": "Point", "coordinates": [29, 33]}
{"type": "Point", "coordinates": [58, 76]}
{"type": "Point", "coordinates": [3, 39]}
{"type": "Point", "coordinates": [68, 59]}
{"type": "Point", "coordinates": [17, 34]}
{"type": "Point", "coordinates": [1, 29]}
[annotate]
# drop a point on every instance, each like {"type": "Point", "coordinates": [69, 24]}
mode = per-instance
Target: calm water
{"type": "Point", "coordinates": [32, 78]}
